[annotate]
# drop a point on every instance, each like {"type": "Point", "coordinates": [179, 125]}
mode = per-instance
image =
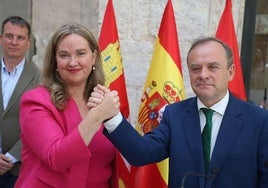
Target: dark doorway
{"type": "Point", "coordinates": [254, 51]}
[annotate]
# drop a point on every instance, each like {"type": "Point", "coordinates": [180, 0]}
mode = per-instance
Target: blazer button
{"type": "Point", "coordinates": [214, 171]}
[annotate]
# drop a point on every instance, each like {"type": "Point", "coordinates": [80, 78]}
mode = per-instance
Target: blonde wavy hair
{"type": "Point", "coordinates": [50, 77]}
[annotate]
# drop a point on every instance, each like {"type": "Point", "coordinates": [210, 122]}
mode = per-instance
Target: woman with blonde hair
{"type": "Point", "coordinates": [63, 144]}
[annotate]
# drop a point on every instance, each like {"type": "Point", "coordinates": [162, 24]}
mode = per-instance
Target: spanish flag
{"type": "Point", "coordinates": [226, 33]}
{"type": "Point", "coordinates": [114, 76]}
{"type": "Point", "coordinates": [164, 85]}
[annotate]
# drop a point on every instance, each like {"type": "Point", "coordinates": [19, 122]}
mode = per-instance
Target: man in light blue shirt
{"type": "Point", "coordinates": [17, 75]}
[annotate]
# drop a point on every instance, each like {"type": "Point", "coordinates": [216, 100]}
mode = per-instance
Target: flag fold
{"type": "Point", "coordinates": [226, 33]}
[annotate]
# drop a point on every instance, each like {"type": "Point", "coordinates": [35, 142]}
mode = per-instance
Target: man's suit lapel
{"type": "Point", "coordinates": [26, 77]}
{"type": "Point", "coordinates": [191, 125]}
{"type": "Point", "coordinates": [230, 127]}
{"type": "Point", "coordinates": [1, 95]}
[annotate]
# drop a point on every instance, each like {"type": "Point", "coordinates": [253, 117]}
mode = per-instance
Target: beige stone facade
{"type": "Point", "coordinates": [137, 23]}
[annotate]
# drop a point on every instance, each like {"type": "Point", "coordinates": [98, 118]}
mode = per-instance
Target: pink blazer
{"type": "Point", "coordinates": [54, 154]}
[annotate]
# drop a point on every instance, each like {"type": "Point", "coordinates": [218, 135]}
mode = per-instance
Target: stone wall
{"type": "Point", "coordinates": [137, 23]}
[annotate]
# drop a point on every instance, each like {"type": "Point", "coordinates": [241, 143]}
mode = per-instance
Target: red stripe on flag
{"type": "Point", "coordinates": [168, 34]}
{"type": "Point", "coordinates": [108, 32]}
{"type": "Point", "coordinates": [155, 179]}
{"type": "Point", "coordinates": [226, 33]}
{"type": "Point", "coordinates": [119, 85]}
{"type": "Point", "coordinates": [109, 37]}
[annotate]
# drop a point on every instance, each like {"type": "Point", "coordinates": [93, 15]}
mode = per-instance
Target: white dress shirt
{"type": "Point", "coordinates": [219, 109]}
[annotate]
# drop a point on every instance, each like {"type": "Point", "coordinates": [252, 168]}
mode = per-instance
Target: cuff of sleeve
{"type": "Point", "coordinates": [113, 123]}
{"type": "Point", "coordinates": [12, 158]}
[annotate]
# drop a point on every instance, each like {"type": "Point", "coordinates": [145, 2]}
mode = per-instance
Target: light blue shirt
{"type": "Point", "coordinates": [9, 82]}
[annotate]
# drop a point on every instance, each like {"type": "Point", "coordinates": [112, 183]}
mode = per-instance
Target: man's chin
{"type": "Point", "coordinates": [203, 90]}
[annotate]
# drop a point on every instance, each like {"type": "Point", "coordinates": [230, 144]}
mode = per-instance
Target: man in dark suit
{"type": "Point", "coordinates": [237, 154]}
{"type": "Point", "coordinates": [17, 76]}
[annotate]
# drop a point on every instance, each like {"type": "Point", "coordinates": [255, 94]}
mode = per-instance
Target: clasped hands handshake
{"type": "Point", "coordinates": [105, 101]}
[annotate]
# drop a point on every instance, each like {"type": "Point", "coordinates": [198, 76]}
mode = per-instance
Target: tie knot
{"type": "Point", "coordinates": [208, 112]}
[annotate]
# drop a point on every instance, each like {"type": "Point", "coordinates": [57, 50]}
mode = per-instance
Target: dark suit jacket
{"type": "Point", "coordinates": [239, 159]}
{"type": "Point", "coordinates": [9, 122]}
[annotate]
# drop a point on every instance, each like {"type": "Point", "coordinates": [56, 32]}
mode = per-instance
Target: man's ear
{"type": "Point", "coordinates": [231, 71]}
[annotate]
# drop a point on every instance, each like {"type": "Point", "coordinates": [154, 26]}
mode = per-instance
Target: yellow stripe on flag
{"type": "Point", "coordinates": [164, 85]}
{"type": "Point", "coordinates": [163, 169]}
{"type": "Point", "coordinates": [166, 70]}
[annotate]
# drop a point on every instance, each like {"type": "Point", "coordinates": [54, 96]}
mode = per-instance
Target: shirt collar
{"type": "Point", "coordinates": [219, 107]}
{"type": "Point", "coordinates": [19, 66]}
